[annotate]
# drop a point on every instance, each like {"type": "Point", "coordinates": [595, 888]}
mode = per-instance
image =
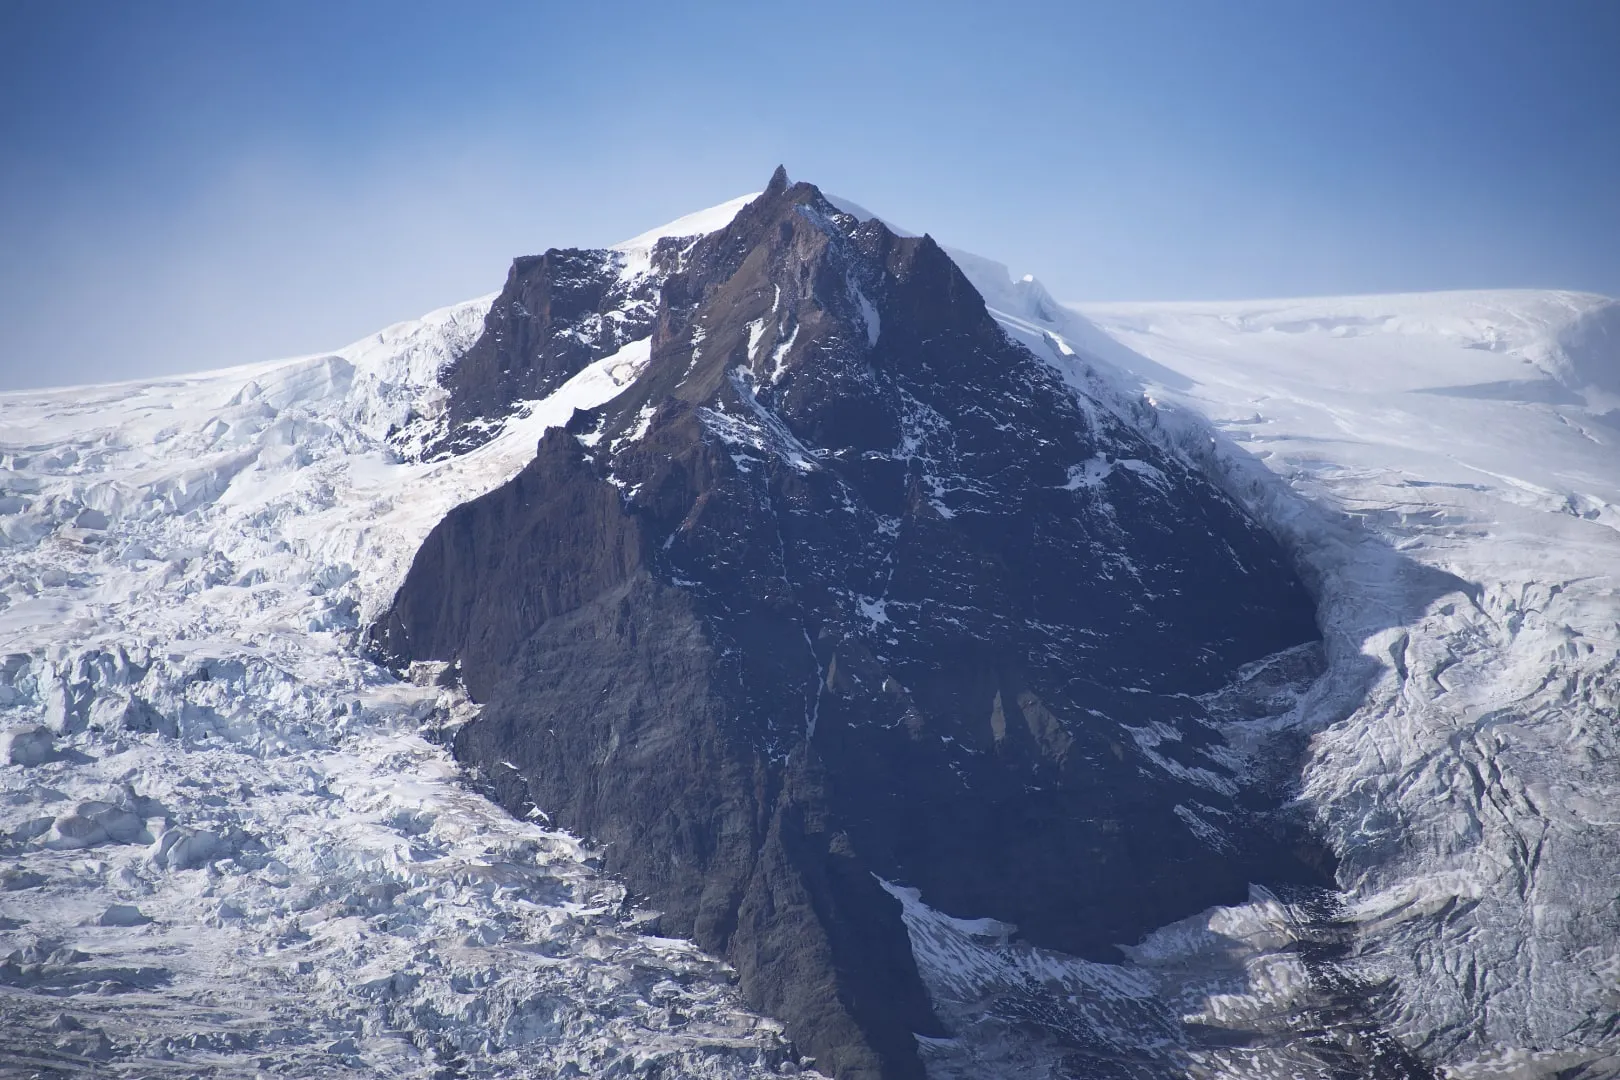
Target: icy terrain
{"type": "Point", "coordinates": [230, 845]}
{"type": "Point", "coordinates": [1445, 466]}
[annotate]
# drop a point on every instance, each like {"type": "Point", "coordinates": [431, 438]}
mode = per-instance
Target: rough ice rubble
{"type": "Point", "coordinates": [231, 844]}
{"type": "Point", "coordinates": [1025, 1013]}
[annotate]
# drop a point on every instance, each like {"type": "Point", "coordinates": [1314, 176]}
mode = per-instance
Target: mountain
{"type": "Point", "coordinates": [848, 588]}
{"type": "Point", "coordinates": [781, 642]}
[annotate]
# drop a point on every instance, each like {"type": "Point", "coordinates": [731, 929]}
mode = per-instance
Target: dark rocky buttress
{"type": "Point", "coordinates": [846, 586]}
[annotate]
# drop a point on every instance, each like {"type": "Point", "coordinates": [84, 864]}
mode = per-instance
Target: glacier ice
{"type": "Point", "coordinates": [1444, 467]}
{"type": "Point", "coordinates": [228, 843]}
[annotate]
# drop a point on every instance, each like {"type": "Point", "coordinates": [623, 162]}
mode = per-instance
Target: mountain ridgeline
{"type": "Point", "coordinates": [848, 588]}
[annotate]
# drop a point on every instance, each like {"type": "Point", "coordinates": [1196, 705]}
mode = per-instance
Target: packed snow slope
{"type": "Point", "coordinates": [1446, 468]}
{"type": "Point", "coordinates": [230, 846]}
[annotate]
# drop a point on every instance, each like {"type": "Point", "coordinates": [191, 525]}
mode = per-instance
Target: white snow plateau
{"type": "Point", "coordinates": [230, 844]}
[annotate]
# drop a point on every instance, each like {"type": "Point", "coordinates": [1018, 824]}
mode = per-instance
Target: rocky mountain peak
{"type": "Point", "coordinates": [790, 301]}
{"type": "Point", "coordinates": [846, 588]}
{"type": "Point", "coordinates": [779, 181]}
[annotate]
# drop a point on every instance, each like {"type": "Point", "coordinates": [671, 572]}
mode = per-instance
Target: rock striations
{"type": "Point", "coordinates": [848, 594]}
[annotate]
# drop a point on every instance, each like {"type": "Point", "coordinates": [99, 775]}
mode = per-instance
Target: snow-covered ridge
{"type": "Point", "coordinates": [1565, 340]}
{"type": "Point", "coordinates": [638, 249]}
{"type": "Point", "coordinates": [227, 841]}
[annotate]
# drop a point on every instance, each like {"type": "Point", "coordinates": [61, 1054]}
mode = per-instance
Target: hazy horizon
{"type": "Point", "coordinates": [191, 187]}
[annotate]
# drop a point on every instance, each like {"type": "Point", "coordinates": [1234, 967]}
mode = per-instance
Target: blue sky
{"type": "Point", "coordinates": [193, 185]}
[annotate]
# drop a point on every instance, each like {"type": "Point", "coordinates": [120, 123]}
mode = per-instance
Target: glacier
{"type": "Point", "coordinates": [1443, 466]}
{"type": "Point", "coordinates": [229, 843]}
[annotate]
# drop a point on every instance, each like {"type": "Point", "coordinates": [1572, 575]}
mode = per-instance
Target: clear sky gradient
{"type": "Point", "coordinates": [185, 186]}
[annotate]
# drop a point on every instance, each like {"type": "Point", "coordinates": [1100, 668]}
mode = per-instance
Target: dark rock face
{"type": "Point", "coordinates": [557, 312]}
{"type": "Point", "coordinates": [847, 586]}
